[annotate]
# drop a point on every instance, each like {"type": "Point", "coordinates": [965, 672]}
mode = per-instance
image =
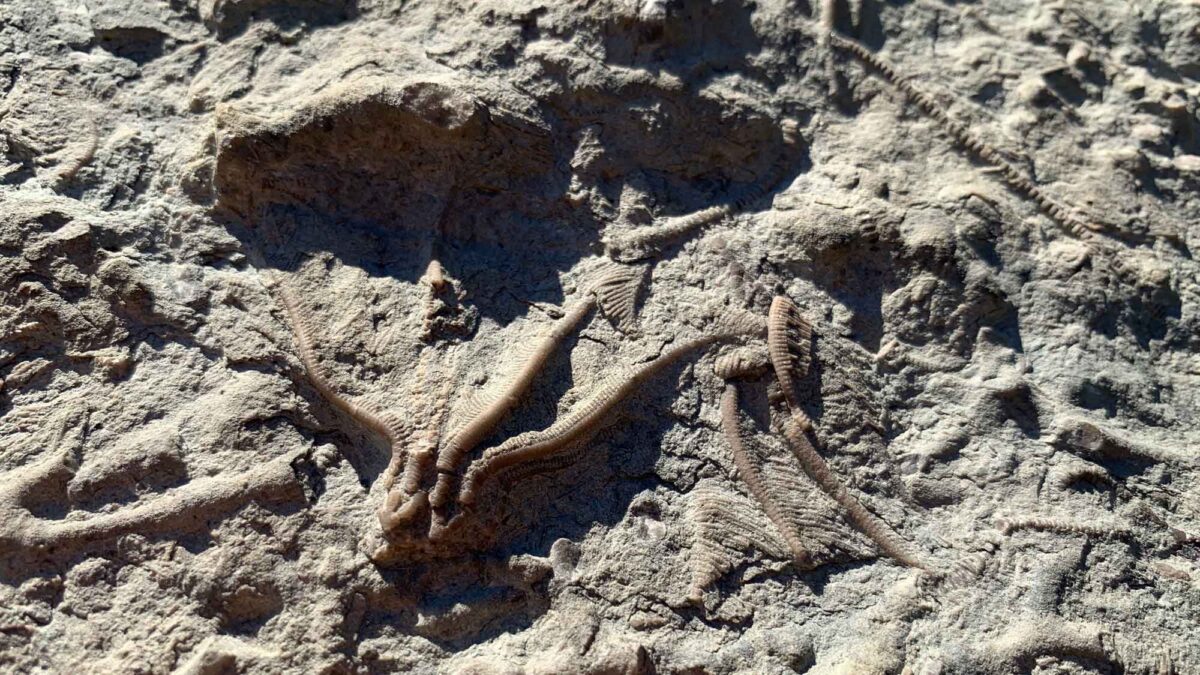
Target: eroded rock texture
{"type": "Point", "coordinates": [371, 336]}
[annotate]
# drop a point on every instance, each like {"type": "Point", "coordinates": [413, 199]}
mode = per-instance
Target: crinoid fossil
{"type": "Point", "coordinates": [428, 506]}
{"type": "Point", "coordinates": [814, 528]}
{"type": "Point", "coordinates": [447, 463]}
{"type": "Point", "coordinates": [441, 468]}
{"type": "Point", "coordinates": [453, 164]}
{"type": "Point", "coordinates": [31, 495]}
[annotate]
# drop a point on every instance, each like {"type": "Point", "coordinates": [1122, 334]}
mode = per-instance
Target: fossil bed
{"type": "Point", "coordinates": [1016, 400]}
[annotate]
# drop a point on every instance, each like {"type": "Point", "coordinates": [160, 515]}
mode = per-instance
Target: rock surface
{"type": "Point", "coordinates": [988, 214]}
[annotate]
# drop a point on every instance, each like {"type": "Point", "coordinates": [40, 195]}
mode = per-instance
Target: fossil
{"type": "Point", "coordinates": [373, 337]}
{"type": "Point", "coordinates": [643, 243]}
{"type": "Point", "coordinates": [727, 525]}
{"type": "Point", "coordinates": [806, 524]}
{"type": "Point", "coordinates": [802, 518]}
{"type": "Point", "coordinates": [616, 290]}
{"type": "Point", "coordinates": [585, 418]}
{"type": "Point", "coordinates": [1063, 526]}
{"type": "Point", "coordinates": [1062, 215]}
{"type": "Point", "coordinates": [181, 509]}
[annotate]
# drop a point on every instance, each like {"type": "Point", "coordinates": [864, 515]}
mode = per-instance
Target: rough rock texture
{"type": "Point", "coordinates": [986, 210]}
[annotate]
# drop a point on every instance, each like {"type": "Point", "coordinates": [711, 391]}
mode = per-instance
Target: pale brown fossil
{"type": "Point", "coordinates": [809, 526]}
{"type": "Point", "coordinates": [182, 508]}
{"type": "Point", "coordinates": [585, 418]}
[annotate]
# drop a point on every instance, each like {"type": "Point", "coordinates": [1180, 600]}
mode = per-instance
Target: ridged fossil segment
{"type": "Point", "coordinates": [1063, 526]}
{"type": "Point", "coordinates": [380, 336]}
{"type": "Point", "coordinates": [586, 417]}
{"type": "Point", "coordinates": [1013, 176]}
{"type": "Point", "coordinates": [179, 510]}
{"type": "Point", "coordinates": [411, 488]}
{"type": "Point", "coordinates": [407, 498]}
{"type": "Point", "coordinates": [871, 525]}
{"type": "Point", "coordinates": [645, 242]}
{"type": "Point", "coordinates": [789, 338]}
{"type": "Point", "coordinates": [615, 292]}
{"type": "Point", "coordinates": [726, 527]}
{"type": "Point", "coordinates": [806, 522]}
{"type": "Point", "coordinates": [481, 425]}
{"type": "Point", "coordinates": [381, 422]}
{"type": "Point", "coordinates": [742, 362]}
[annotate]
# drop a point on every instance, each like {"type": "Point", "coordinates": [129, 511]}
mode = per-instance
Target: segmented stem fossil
{"type": "Point", "coordinates": [403, 502]}
{"type": "Point", "coordinates": [1062, 526]}
{"type": "Point", "coordinates": [465, 439]}
{"type": "Point", "coordinates": [382, 423]}
{"type": "Point", "coordinates": [815, 467]}
{"type": "Point", "coordinates": [731, 425]}
{"type": "Point", "coordinates": [192, 504]}
{"type": "Point", "coordinates": [641, 243]}
{"type": "Point", "coordinates": [398, 506]}
{"type": "Point", "coordinates": [586, 417]}
{"type": "Point", "coordinates": [1013, 176]}
{"type": "Point", "coordinates": [827, 17]}
{"type": "Point", "coordinates": [615, 292]}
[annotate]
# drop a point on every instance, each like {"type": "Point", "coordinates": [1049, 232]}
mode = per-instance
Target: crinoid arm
{"type": "Point", "coordinates": [587, 417]}
{"type": "Point", "coordinates": [726, 527]}
{"type": "Point", "coordinates": [789, 342]}
{"type": "Point", "coordinates": [815, 468]}
{"type": "Point", "coordinates": [806, 520]}
{"type": "Point", "coordinates": [386, 425]}
{"type": "Point", "coordinates": [616, 292]}
{"type": "Point", "coordinates": [405, 499]}
{"type": "Point", "coordinates": [463, 440]}
{"type": "Point", "coordinates": [644, 243]}
{"type": "Point", "coordinates": [749, 473]}
{"type": "Point", "coordinates": [1008, 526]}
{"type": "Point", "coordinates": [742, 363]}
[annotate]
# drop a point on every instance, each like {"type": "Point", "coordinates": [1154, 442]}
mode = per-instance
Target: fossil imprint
{"type": "Point", "coordinates": [437, 482]}
{"type": "Point", "coordinates": [441, 474]}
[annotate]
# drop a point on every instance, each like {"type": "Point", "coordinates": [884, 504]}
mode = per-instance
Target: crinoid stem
{"type": "Point", "coordinates": [586, 418]}
{"type": "Point", "coordinates": [815, 467]}
{"type": "Point", "coordinates": [1063, 526]}
{"type": "Point", "coordinates": [382, 423]}
{"type": "Point", "coordinates": [79, 154]}
{"type": "Point", "coordinates": [886, 350]}
{"type": "Point", "coordinates": [435, 275]}
{"type": "Point", "coordinates": [404, 501]}
{"type": "Point", "coordinates": [731, 425]}
{"type": "Point", "coordinates": [828, 19]}
{"type": "Point", "coordinates": [1014, 177]}
{"type": "Point", "coordinates": [644, 242]}
{"type": "Point", "coordinates": [465, 439]}
{"type": "Point", "coordinates": [193, 504]}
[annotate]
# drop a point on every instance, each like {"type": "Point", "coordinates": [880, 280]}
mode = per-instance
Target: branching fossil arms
{"type": "Point", "coordinates": [585, 418]}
